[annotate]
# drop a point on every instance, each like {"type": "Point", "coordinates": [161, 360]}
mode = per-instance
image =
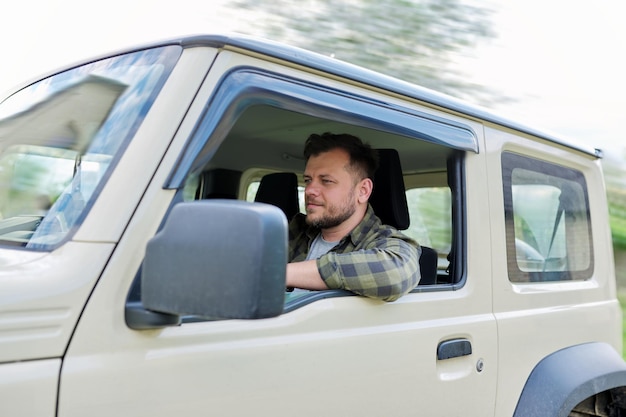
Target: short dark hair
{"type": "Point", "coordinates": [363, 159]}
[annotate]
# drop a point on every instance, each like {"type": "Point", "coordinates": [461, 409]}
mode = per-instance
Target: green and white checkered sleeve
{"type": "Point", "coordinates": [386, 271]}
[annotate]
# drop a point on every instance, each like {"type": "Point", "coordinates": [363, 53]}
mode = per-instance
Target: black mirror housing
{"type": "Point", "coordinates": [218, 259]}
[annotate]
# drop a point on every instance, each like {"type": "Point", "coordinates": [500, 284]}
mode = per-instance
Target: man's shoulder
{"type": "Point", "coordinates": [299, 220]}
{"type": "Point", "coordinates": [372, 229]}
{"type": "Point", "coordinates": [387, 231]}
{"type": "Point", "coordinates": [297, 225]}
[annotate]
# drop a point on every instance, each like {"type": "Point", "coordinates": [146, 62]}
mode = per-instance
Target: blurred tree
{"type": "Point", "coordinates": [414, 40]}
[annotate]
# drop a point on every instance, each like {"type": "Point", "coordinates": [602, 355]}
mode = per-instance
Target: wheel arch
{"type": "Point", "coordinates": [565, 378]}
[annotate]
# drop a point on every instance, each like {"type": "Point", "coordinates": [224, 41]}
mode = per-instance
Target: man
{"type": "Point", "coordinates": [340, 243]}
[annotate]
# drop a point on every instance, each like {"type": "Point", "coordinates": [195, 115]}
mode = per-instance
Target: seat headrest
{"type": "Point", "coordinates": [388, 198]}
{"type": "Point", "coordinates": [280, 189]}
{"type": "Point", "coordinates": [221, 183]}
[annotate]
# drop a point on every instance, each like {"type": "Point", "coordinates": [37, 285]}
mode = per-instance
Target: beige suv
{"type": "Point", "coordinates": [144, 199]}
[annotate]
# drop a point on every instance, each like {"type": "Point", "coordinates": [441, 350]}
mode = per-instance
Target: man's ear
{"type": "Point", "coordinates": [365, 190]}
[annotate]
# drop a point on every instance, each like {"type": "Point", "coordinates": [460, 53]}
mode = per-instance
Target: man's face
{"type": "Point", "coordinates": [330, 192]}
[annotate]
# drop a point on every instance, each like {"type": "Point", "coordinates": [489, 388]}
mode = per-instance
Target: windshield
{"type": "Point", "coordinates": [60, 137]}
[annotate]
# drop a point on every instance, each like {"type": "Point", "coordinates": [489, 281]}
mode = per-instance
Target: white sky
{"type": "Point", "coordinates": [563, 59]}
{"type": "Point", "coordinates": [566, 62]}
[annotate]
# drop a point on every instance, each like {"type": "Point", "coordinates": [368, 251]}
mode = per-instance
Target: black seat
{"type": "Point", "coordinates": [388, 197]}
{"type": "Point", "coordinates": [220, 183]}
{"type": "Point", "coordinates": [388, 200]}
{"type": "Point", "coordinates": [428, 266]}
{"type": "Point", "coordinates": [280, 189]}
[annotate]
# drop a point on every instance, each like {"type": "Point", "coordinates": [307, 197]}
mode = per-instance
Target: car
{"type": "Point", "coordinates": [145, 197]}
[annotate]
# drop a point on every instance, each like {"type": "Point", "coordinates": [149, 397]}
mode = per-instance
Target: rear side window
{"type": "Point", "coordinates": [548, 229]}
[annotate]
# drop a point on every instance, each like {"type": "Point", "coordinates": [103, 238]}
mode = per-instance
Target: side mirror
{"type": "Point", "coordinates": [219, 259]}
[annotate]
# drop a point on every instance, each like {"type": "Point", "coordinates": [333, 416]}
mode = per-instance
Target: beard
{"type": "Point", "coordinates": [335, 214]}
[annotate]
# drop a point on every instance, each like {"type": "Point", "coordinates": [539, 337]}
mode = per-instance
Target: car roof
{"type": "Point", "coordinates": [355, 73]}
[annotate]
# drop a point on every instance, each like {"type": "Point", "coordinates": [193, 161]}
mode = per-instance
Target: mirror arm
{"type": "Point", "coordinates": [139, 318]}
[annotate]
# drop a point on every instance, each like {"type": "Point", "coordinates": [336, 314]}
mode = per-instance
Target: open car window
{"type": "Point", "coordinates": [548, 222]}
{"type": "Point", "coordinates": [256, 125]}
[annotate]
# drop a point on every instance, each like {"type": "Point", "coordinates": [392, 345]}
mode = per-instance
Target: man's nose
{"type": "Point", "coordinates": [311, 189]}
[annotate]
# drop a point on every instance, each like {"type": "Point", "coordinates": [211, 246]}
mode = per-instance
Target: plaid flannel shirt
{"type": "Point", "coordinates": [373, 260]}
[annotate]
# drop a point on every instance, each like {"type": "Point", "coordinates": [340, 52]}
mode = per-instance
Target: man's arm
{"type": "Point", "coordinates": [305, 275]}
{"type": "Point", "coordinates": [385, 272]}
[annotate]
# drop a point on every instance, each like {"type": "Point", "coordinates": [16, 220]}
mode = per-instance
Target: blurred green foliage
{"type": "Point", "coordinates": [430, 210]}
{"type": "Point", "coordinates": [413, 40]}
{"type": "Point", "coordinates": [622, 301]}
{"type": "Point", "coordinates": [617, 214]}
{"type": "Point", "coordinates": [615, 179]}
{"type": "Point", "coordinates": [31, 180]}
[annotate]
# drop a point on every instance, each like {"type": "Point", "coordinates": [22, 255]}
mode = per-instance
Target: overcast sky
{"type": "Point", "coordinates": [563, 59]}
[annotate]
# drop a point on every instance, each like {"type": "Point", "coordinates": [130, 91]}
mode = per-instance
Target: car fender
{"type": "Point", "coordinates": [564, 378]}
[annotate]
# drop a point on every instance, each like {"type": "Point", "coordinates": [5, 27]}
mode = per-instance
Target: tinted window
{"type": "Point", "coordinates": [547, 221]}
